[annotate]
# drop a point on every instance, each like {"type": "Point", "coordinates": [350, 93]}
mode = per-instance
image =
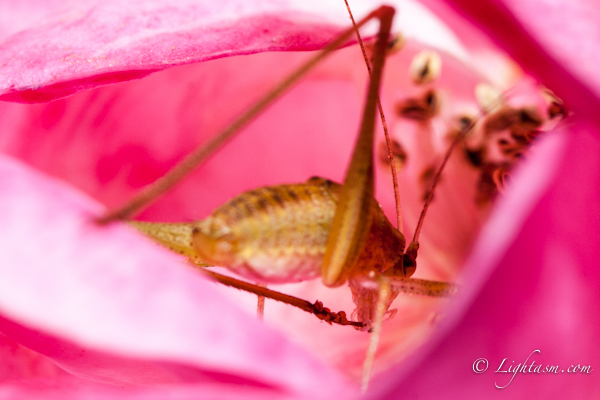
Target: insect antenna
{"type": "Point", "coordinates": [413, 247]}
{"type": "Point", "coordinates": [486, 108]}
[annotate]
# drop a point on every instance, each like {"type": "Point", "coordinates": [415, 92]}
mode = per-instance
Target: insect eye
{"type": "Point", "coordinates": [409, 264]}
{"type": "Point", "coordinates": [407, 267]}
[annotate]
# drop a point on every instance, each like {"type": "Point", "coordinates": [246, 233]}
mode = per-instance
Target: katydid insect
{"type": "Point", "coordinates": [350, 235]}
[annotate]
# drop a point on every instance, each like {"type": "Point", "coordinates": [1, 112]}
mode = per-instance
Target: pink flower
{"type": "Point", "coordinates": [124, 318]}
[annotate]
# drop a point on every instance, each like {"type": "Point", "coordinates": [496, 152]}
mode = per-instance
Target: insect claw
{"type": "Point", "coordinates": [323, 313]}
{"type": "Point", "coordinates": [390, 314]}
{"type": "Point", "coordinates": [340, 318]}
{"type": "Point", "coordinates": [318, 305]}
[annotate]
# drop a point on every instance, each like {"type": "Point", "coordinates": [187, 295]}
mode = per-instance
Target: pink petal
{"type": "Point", "coordinates": [543, 293]}
{"type": "Point", "coordinates": [18, 362]}
{"type": "Point", "coordinates": [95, 44]}
{"type": "Point", "coordinates": [556, 43]}
{"type": "Point", "coordinates": [165, 322]}
{"type": "Point", "coordinates": [25, 373]}
{"type": "Point", "coordinates": [100, 43]}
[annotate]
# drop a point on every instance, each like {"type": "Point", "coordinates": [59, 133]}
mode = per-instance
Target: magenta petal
{"type": "Point", "coordinates": [140, 315]}
{"type": "Point", "coordinates": [18, 362]}
{"type": "Point", "coordinates": [98, 43]}
{"type": "Point", "coordinates": [544, 294]}
{"type": "Point", "coordinates": [67, 389]}
{"type": "Point", "coordinates": [107, 42]}
{"type": "Point", "coordinates": [566, 68]}
{"type": "Point", "coordinates": [569, 31]}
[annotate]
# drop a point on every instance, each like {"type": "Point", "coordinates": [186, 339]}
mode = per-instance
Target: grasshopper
{"type": "Point", "coordinates": [338, 232]}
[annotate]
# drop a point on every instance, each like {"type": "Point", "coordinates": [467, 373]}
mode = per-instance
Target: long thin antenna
{"type": "Point", "coordinates": [459, 137]}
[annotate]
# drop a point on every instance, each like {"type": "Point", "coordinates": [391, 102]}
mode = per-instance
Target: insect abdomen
{"type": "Point", "coordinates": [272, 234]}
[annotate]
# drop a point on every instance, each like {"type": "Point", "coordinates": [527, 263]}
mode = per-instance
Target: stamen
{"type": "Point", "coordinates": [556, 107]}
{"type": "Point", "coordinates": [501, 178]}
{"type": "Point", "coordinates": [260, 304]}
{"type": "Point", "coordinates": [557, 110]}
{"type": "Point", "coordinates": [531, 135]}
{"type": "Point", "coordinates": [398, 153]}
{"type": "Point", "coordinates": [425, 67]}
{"type": "Point", "coordinates": [488, 97]}
{"type": "Point", "coordinates": [486, 187]}
{"type": "Point", "coordinates": [475, 156]}
{"type": "Point", "coordinates": [396, 44]}
{"type": "Point", "coordinates": [500, 120]}
{"type": "Point", "coordinates": [426, 179]}
{"type": "Point", "coordinates": [419, 109]}
{"type": "Point", "coordinates": [465, 122]}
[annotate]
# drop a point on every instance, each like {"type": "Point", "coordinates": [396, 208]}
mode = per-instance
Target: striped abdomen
{"type": "Point", "coordinates": [273, 234]}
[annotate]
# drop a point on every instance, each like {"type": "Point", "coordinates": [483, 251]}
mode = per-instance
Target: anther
{"type": "Point", "coordinates": [419, 109]}
{"type": "Point", "coordinates": [501, 178]}
{"type": "Point", "coordinates": [556, 107]}
{"type": "Point", "coordinates": [396, 44]}
{"type": "Point", "coordinates": [397, 152]}
{"type": "Point", "coordinates": [425, 67]}
{"type": "Point", "coordinates": [488, 97]}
